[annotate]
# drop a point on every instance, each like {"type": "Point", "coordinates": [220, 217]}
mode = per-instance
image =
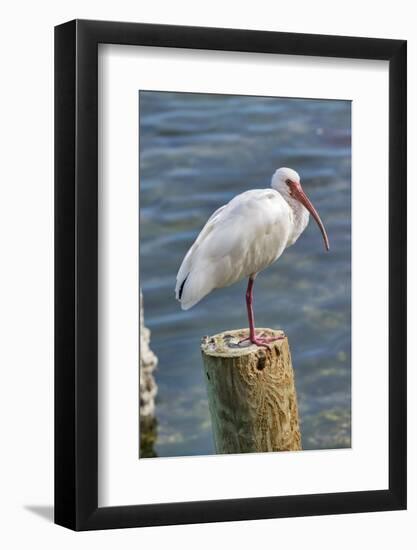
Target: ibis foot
{"type": "Point", "coordinates": [261, 341]}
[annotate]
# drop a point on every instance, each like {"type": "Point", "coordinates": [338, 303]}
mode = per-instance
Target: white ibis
{"type": "Point", "coordinates": [244, 237]}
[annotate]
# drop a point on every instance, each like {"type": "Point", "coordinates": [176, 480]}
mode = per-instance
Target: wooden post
{"type": "Point", "coordinates": [251, 393]}
{"type": "Point", "coordinates": [147, 391]}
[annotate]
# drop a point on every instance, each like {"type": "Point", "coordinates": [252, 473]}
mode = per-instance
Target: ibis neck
{"type": "Point", "coordinates": [300, 219]}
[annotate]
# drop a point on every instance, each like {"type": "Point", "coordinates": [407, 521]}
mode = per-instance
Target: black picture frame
{"type": "Point", "coordinates": [76, 272]}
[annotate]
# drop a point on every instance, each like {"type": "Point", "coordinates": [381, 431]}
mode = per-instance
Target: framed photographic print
{"type": "Point", "coordinates": [230, 275]}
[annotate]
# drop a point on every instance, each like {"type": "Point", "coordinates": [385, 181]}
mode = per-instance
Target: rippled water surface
{"type": "Point", "coordinates": [196, 152]}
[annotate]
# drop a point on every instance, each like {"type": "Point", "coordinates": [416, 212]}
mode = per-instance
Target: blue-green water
{"type": "Point", "coordinates": [196, 152]}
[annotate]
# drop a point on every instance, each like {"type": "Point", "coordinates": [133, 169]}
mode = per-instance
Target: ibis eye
{"type": "Point", "coordinates": [288, 182]}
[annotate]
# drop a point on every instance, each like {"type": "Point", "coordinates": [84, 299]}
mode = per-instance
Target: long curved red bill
{"type": "Point", "coordinates": [298, 193]}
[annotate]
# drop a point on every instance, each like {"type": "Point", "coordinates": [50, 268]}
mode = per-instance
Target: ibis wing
{"type": "Point", "coordinates": [189, 258]}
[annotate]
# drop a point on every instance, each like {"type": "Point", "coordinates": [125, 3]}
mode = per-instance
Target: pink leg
{"type": "Point", "coordinates": [258, 341]}
{"type": "Point", "coordinates": [249, 307]}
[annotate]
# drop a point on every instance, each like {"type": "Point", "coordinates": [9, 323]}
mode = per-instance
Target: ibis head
{"type": "Point", "coordinates": [287, 182]}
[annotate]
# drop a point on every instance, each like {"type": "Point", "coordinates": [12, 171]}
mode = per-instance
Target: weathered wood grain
{"type": "Point", "coordinates": [251, 393]}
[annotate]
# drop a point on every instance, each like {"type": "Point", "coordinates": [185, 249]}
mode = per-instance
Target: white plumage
{"type": "Point", "coordinates": [244, 237]}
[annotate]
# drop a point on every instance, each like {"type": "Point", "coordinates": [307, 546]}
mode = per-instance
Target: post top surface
{"type": "Point", "coordinates": [226, 344]}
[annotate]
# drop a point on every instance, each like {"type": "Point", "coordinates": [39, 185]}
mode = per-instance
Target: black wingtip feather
{"type": "Point", "coordinates": [182, 288]}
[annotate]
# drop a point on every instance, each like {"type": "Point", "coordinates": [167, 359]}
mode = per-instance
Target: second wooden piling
{"type": "Point", "coordinates": [251, 393]}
